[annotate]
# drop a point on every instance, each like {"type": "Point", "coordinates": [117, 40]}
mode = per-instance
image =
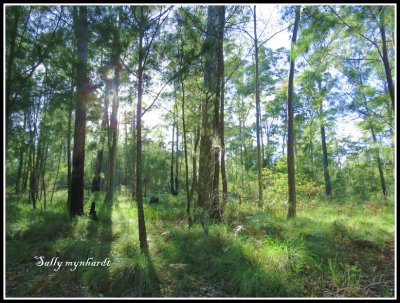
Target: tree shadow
{"type": "Point", "coordinates": [215, 266]}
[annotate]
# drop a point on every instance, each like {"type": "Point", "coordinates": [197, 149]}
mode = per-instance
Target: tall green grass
{"type": "Point", "coordinates": [330, 249]}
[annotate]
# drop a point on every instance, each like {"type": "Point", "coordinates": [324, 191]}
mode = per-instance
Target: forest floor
{"type": "Point", "coordinates": [331, 249]}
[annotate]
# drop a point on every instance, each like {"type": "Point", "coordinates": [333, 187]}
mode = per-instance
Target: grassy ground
{"type": "Point", "coordinates": [330, 250]}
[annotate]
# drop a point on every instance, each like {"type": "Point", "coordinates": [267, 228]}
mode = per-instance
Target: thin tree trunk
{"type": "Point", "coordinates": [43, 173]}
{"type": "Point", "coordinates": [188, 197]}
{"type": "Point", "coordinates": [385, 58]}
{"type": "Point", "coordinates": [100, 152]}
{"type": "Point", "coordinates": [114, 131]}
{"type": "Point", "coordinates": [58, 169]}
{"type": "Point", "coordinates": [378, 159]}
{"type": "Point", "coordinates": [177, 159]}
{"type": "Point", "coordinates": [172, 184]}
{"type": "Point", "coordinates": [126, 153]}
{"type": "Point", "coordinates": [258, 114]}
{"type": "Point", "coordinates": [223, 166]}
{"type": "Point", "coordinates": [133, 129]}
{"type": "Point", "coordinates": [19, 171]}
{"type": "Point", "coordinates": [69, 158]}
{"type": "Point", "coordinates": [139, 189]}
{"type": "Point", "coordinates": [290, 143]}
{"type": "Point", "coordinates": [9, 68]}
{"type": "Point", "coordinates": [241, 155]}
{"type": "Point", "coordinates": [193, 188]}
{"type": "Point", "coordinates": [328, 187]}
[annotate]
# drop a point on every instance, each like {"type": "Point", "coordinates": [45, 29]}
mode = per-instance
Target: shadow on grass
{"type": "Point", "coordinates": [202, 265]}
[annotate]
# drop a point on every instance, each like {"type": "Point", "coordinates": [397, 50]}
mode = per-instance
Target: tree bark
{"type": "Point", "coordinates": [223, 166]}
{"type": "Point", "coordinates": [188, 197]}
{"type": "Point", "coordinates": [328, 187]}
{"type": "Point", "coordinates": [9, 69]}
{"type": "Point", "coordinates": [378, 159]}
{"type": "Point", "coordinates": [210, 141]}
{"type": "Point", "coordinates": [78, 161]}
{"type": "Point", "coordinates": [385, 57]}
{"type": "Point", "coordinates": [258, 114]}
{"type": "Point", "coordinates": [69, 167]}
{"type": "Point", "coordinates": [193, 188]}
{"type": "Point", "coordinates": [290, 139]}
{"type": "Point", "coordinates": [114, 126]}
{"type": "Point", "coordinates": [103, 129]}
{"type": "Point", "coordinates": [56, 178]}
{"type": "Point", "coordinates": [139, 189]}
{"type": "Point", "coordinates": [172, 183]}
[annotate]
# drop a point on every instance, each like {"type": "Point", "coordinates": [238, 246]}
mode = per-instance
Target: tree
{"type": "Point", "coordinates": [78, 160]}
{"type": "Point", "coordinates": [290, 142]}
{"type": "Point", "coordinates": [258, 115]}
{"type": "Point", "coordinates": [210, 140]}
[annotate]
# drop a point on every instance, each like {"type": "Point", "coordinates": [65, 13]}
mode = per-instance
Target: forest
{"type": "Point", "coordinates": [199, 151]}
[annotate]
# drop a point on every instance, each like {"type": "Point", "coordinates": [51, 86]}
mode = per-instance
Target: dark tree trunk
{"type": "Point", "coordinates": [378, 159]}
{"type": "Point", "coordinates": [328, 187]}
{"type": "Point", "coordinates": [139, 188]}
{"type": "Point", "coordinates": [69, 168]}
{"type": "Point", "coordinates": [9, 68]}
{"type": "Point", "coordinates": [78, 161]}
{"type": "Point", "coordinates": [385, 57]}
{"type": "Point", "coordinates": [290, 140]}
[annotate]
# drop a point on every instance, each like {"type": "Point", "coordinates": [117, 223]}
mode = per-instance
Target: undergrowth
{"type": "Point", "coordinates": [331, 249]}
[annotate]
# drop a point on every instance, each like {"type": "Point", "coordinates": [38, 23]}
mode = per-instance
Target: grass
{"type": "Point", "coordinates": [331, 249]}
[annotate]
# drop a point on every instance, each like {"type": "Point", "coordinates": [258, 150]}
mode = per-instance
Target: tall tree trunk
{"type": "Point", "coordinates": [69, 162]}
{"type": "Point", "coordinates": [133, 129]}
{"type": "Point", "coordinates": [139, 189]}
{"type": "Point", "coordinates": [222, 133]}
{"type": "Point", "coordinates": [290, 140]}
{"type": "Point", "coordinates": [114, 128]}
{"type": "Point", "coordinates": [172, 183]}
{"type": "Point", "coordinates": [385, 58]}
{"type": "Point", "coordinates": [42, 174]}
{"type": "Point", "coordinates": [19, 171]}
{"type": "Point", "coordinates": [126, 153]}
{"type": "Point", "coordinates": [210, 141]}
{"type": "Point", "coordinates": [103, 129]}
{"type": "Point", "coordinates": [258, 115]}
{"type": "Point", "coordinates": [241, 156]}
{"type": "Point", "coordinates": [188, 197]}
{"type": "Point", "coordinates": [78, 161]}
{"type": "Point", "coordinates": [33, 179]}
{"type": "Point", "coordinates": [328, 187]}
{"type": "Point", "coordinates": [193, 188]}
{"type": "Point", "coordinates": [177, 158]}
{"type": "Point", "coordinates": [378, 159]}
{"type": "Point", "coordinates": [9, 68]}
{"type": "Point", "coordinates": [58, 169]}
